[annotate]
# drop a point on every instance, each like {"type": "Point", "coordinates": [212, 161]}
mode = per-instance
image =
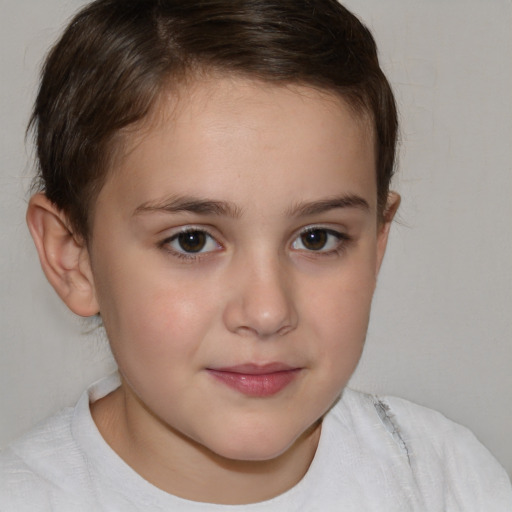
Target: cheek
{"type": "Point", "coordinates": [156, 330]}
{"type": "Point", "coordinates": [150, 315]}
{"type": "Point", "coordinates": [339, 314]}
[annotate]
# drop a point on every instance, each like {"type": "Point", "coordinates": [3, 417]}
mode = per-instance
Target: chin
{"type": "Point", "coordinates": [256, 445]}
{"type": "Point", "coordinates": [255, 452]}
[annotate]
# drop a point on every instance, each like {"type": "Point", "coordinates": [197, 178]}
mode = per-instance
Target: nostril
{"type": "Point", "coordinates": [246, 331]}
{"type": "Point", "coordinates": [284, 330]}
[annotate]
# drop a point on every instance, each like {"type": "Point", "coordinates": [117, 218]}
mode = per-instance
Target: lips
{"type": "Point", "coordinates": [256, 380]}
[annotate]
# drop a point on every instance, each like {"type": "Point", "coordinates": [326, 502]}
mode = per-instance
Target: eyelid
{"type": "Point", "coordinates": [341, 236]}
{"type": "Point", "coordinates": [342, 239]}
{"type": "Point", "coordinates": [166, 242]}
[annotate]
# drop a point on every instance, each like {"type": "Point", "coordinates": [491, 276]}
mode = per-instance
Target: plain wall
{"type": "Point", "coordinates": [442, 318]}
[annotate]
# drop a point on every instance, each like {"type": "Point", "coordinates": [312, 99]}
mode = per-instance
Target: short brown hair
{"type": "Point", "coordinates": [117, 56]}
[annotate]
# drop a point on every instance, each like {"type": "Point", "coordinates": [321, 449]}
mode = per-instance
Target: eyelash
{"type": "Point", "coordinates": [188, 256]}
{"type": "Point", "coordinates": [342, 240]}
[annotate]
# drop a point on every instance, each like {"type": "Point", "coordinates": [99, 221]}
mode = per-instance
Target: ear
{"type": "Point", "coordinates": [64, 258]}
{"type": "Point", "coordinates": [392, 205]}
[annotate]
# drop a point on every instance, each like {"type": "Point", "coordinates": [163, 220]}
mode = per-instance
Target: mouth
{"type": "Point", "coordinates": [256, 380]}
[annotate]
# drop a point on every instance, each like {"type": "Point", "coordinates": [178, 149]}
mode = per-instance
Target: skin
{"type": "Point", "coordinates": [252, 165]}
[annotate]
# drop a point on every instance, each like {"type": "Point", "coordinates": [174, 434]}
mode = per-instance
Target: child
{"type": "Point", "coordinates": [215, 184]}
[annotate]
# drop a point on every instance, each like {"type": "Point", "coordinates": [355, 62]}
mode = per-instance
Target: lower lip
{"type": "Point", "coordinates": [256, 385]}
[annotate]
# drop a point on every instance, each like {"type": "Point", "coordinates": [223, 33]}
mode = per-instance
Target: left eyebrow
{"type": "Point", "coordinates": [316, 207]}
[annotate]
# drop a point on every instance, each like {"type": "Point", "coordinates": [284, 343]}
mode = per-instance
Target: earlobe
{"type": "Point", "coordinates": [392, 205]}
{"type": "Point", "coordinates": [64, 259]}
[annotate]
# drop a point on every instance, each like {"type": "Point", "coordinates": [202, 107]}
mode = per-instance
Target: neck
{"type": "Point", "coordinates": [180, 466]}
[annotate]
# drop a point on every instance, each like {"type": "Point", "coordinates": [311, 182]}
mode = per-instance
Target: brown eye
{"type": "Point", "coordinates": [314, 240]}
{"type": "Point", "coordinates": [192, 241]}
{"type": "Point", "coordinates": [319, 240]}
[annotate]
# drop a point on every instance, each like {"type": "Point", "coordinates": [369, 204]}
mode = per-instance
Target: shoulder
{"type": "Point", "coordinates": [447, 442]}
{"type": "Point", "coordinates": [42, 439]}
{"type": "Point", "coordinates": [445, 458]}
{"type": "Point", "coordinates": [49, 468]}
{"type": "Point", "coordinates": [28, 467]}
{"type": "Point", "coordinates": [44, 470]}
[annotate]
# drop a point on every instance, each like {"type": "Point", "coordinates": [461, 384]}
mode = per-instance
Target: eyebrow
{"type": "Point", "coordinates": [190, 204]}
{"type": "Point", "coordinates": [176, 204]}
{"type": "Point", "coordinates": [316, 207]}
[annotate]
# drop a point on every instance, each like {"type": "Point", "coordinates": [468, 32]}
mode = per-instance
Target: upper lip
{"type": "Point", "coordinates": [256, 369]}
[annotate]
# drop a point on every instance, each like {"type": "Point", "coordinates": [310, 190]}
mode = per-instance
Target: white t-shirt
{"type": "Point", "coordinates": [378, 454]}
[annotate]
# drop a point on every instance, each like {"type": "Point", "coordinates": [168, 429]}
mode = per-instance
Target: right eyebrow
{"type": "Point", "coordinates": [201, 206]}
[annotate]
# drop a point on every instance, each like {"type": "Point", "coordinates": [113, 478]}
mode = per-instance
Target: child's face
{"type": "Point", "coordinates": [234, 252]}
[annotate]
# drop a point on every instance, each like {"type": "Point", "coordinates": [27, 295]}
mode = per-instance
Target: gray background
{"type": "Point", "coordinates": [442, 321]}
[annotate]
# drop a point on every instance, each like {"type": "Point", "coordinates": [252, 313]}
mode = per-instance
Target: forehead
{"type": "Point", "coordinates": [229, 137]}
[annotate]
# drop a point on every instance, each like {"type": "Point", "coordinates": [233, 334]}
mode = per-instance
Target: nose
{"type": "Point", "coordinates": [262, 304]}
